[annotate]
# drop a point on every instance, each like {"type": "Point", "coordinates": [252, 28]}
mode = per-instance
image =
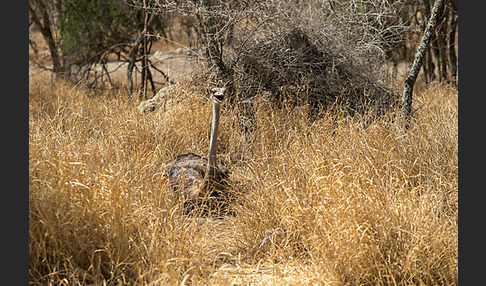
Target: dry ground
{"type": "Point", "coordinates": [176, 61]}
{"type": "Point", "coordinates": [336, 201]}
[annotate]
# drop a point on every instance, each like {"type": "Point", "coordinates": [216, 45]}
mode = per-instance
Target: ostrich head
{"type": "Point", "coordinates": [218, 93]}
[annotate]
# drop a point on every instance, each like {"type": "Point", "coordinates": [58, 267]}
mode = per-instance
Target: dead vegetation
{"type": "Point", "coordinates": [331, 201]}
{"type": "Point", "coordinates": [314, 53]}
{"type": "Point", "coordinates": [321, 197]}
{"type": "Point", "coordinates": [315, 66]}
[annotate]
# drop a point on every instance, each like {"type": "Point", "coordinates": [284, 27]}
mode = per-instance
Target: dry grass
{"type": "Point", "coordinates": [335, 201]}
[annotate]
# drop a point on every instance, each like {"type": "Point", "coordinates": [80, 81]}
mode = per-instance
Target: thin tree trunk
{"type": "Point", "coordinates": [144, 76]}
{"type": "Point", "coordinates": [431, 54]}
{"type": "Point", "coordinates": [45, 28]}
{"type": "Point", "coordinates": [432, 50]}
{"type": "Point", "coordinates": [132, 54]}
{"type": "Point", "coordinates": [441, 33]}
{"type": "Point", "coordinates": [452, 48]}
{"type": "Point", "coordinates": [131, 65]}
{"type": "Point", "coordinates": [418, 61]}
{"type": "Point", "coordinates": [214, 47]}
{"type": "Point", "coordinates": [215, 53]}
{"type": "Point", "coordinates": [426, 71]}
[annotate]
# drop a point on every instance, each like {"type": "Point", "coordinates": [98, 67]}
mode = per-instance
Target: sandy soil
{"type": "Point", "coordinates": [174, 61]}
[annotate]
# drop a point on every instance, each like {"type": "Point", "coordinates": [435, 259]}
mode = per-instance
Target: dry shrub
{"type": "Point", "coordinates": [335, 200]}
{"type": "Point", "coordinates": [310, 53]}
{"type": "Point", "coordinates": [313, 65]}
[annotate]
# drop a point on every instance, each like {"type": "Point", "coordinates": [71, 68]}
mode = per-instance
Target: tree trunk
{"type": "Point", "coordinates": [432, 49]}
{"type": "Point", "coordinates": [425, 68]}
{"type": "Point", "coordinates": [131, 65]}
{"type": "Point", "coordinates": [418, 61]}
{"type": "Point", "coordinates": [132, 54]}
{"type": "Point", "coordinates": [144, 76]}
{"type": "Point", "coordinates": [441, 33]}
{"type": "Point", "coordinates": [452, 48]}
{"type": "Point", "coordinates": [40, 16]}
{"type": "Point", "coordinates": [213, 45]}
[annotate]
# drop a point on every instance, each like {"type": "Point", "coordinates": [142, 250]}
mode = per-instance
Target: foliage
{"type": "Point", "coordinates": [88, 32]}
{"type": "Point", "coordinates": [89, 28]}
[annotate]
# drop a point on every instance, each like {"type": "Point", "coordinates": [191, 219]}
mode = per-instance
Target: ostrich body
{"type": "Point", "coordinates": [199, 178]}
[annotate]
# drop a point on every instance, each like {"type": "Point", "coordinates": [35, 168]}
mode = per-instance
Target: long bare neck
{"type": "Point", "coordinates": [213, 145]}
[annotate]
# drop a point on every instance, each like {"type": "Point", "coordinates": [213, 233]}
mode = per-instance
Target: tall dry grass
{"type": "Point", "coordinates": [336, 201]}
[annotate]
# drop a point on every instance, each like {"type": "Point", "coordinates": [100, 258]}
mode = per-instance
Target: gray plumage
{"type": "Point", "coordinates": [189, 172]}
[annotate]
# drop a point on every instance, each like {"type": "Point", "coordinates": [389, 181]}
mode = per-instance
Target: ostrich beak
{"type": "Point", "coordinates": [218, 94]}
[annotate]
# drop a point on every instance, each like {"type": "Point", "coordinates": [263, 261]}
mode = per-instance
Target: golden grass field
{"type": "Point", "coordinates": [335, 201]}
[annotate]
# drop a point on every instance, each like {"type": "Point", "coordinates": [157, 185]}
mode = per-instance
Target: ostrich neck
{"type": "Point", "coordinates": [213, 145]}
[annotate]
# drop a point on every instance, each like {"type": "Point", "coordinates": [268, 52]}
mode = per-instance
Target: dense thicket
{"type": "Point", "coordinates": [335, 51]}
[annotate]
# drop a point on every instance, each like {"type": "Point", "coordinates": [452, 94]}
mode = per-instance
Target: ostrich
{"type": "Point", "coordinates": [199, 179]}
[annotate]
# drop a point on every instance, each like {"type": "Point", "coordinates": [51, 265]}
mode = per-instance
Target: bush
{"type": "Point", "coordinates": [313, 66]}
{"type": "Point", "coordinates": [299, 54]}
